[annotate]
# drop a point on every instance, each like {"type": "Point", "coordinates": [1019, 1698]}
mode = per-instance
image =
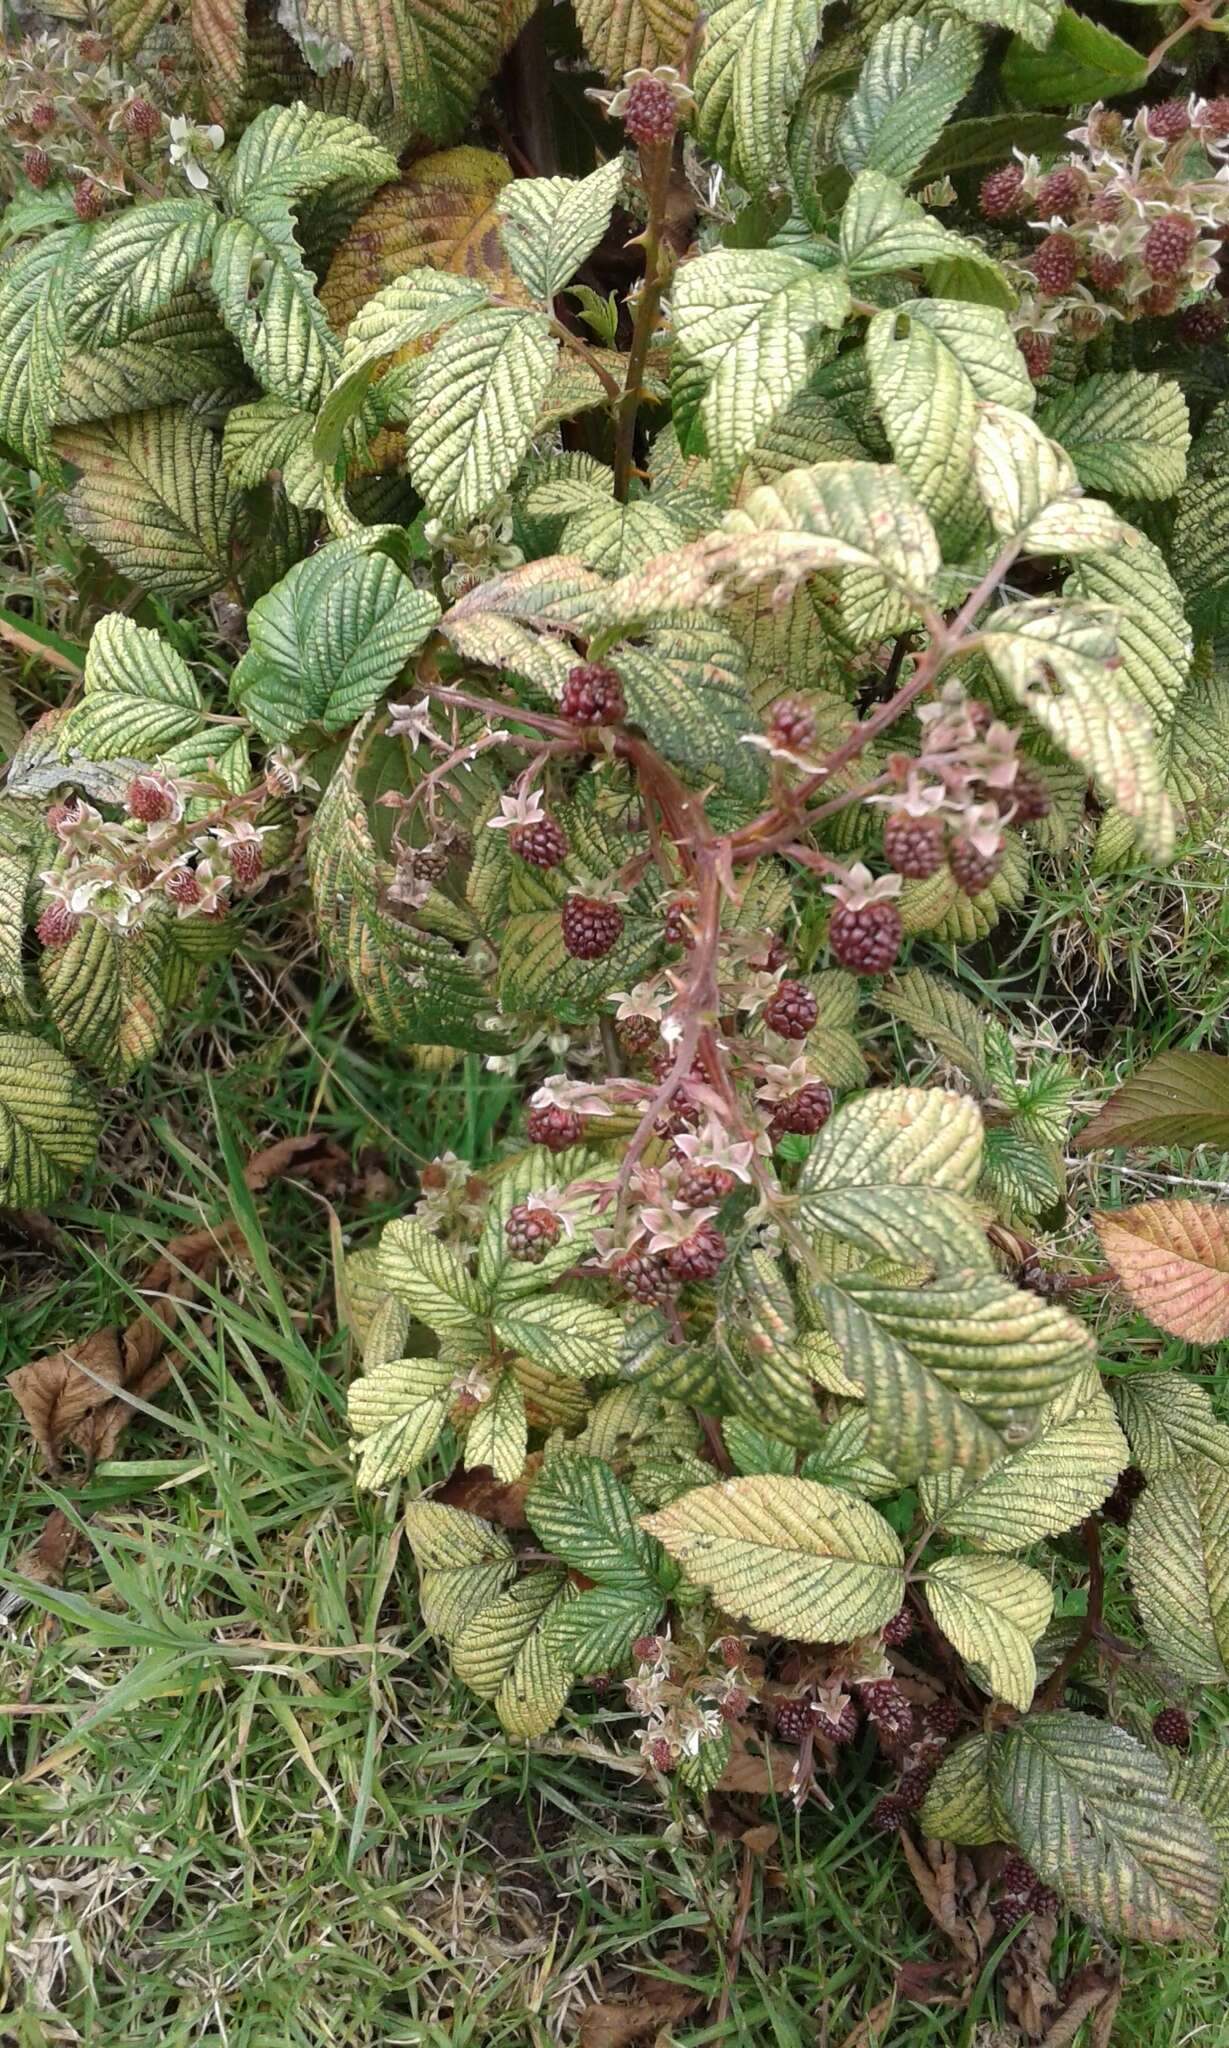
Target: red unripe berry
{"type": "Point", "coordinates": [140, 118]}
{"type": "Point", "coordinates": [88, 200]}
{"type": "Point", "coordinates": [792, 1010]}
{"type": "Point", "coordinates": [730, 1651]}
{"type": "Point", "coordinates": [972, 871]}
{"type": "Point", "coordinates": [651, 114]}
{"type": "Point", "coordinates": [593, 694]}
{"type": "Point", "coordinates": [38, 168]}
{"type": "Point", "coordinates": [677, 929]}
{"type": "Point", "coordinates": [644, 1276]}
{"type": "Point", "coordinates": [701, 1187]}
{"type": "Point", "coordinates": [793, 1718]}
{"type": "Point", "coordinates": [1172, 1728]}
{"type": "Point", "coordinates": [1167, 246]}
{"type": "Point", "coordinates": [943, 1717]}
{"type": "Point", "coordinates": [1017, 1874]}
{"type": "Point", "coordinates": [792, 724]}
{"type": "Point", "coordinates": [913, 846]}
{"type": "Point", "coordinates": [865, 937]}
{"type": "Point", "coordinates": [1168, 120]}
{"type": "Point", "coordinates": [531, 1232]}
{"type": "Point", "coordinates": [644, 1649]}
{"type": "Point", "coordinates": [1000, 193]}
{"type": "Point", "coordinates": [543, 845]}
{"type": "Point", "coordinates": [1038, 353]}
{"type": "Point", "coordinates": [1056, 263]}
{"type": "Point", "coordinates": [1059, 193]}
{"type": "Point", "coordinates": [699, 1256]}
{"type": "Point", "coordinates": [590, 926]}
{"type": "Point", "coordinates": [1029, 793]}
{"type": "Point", "coordinates": [734, 1706]}
{"type": "Point", "coordinates": [660, 1754]}
{"type": "Point", "coordinates": [182, 886]}
{"type": "Point", "coordinates": [1106, 272]}
{"type": "Point", "coordinates": [1045, 1901]}
{"type": "Point", "coordinates": [1158, 300]}
{"type": "Point", "coordinates": [56, 925]}
{"type": "Point", "coordinates": [637, 1035]}
{"type": "Point", "coordinates": [912, 1787]}
{"type": "Point", "coordinates": [42, 117]}
{"type": "Point", "coordinates": [1214, 119]}
{"type": "Point", "coordinates": [553, 1127]}
{"type": "Point", "coordinates": [804, 1112]}
{"type": "Point", "coordinates": [92, 48]}
{"type": "Point", "coordinates": [844, 1728]}
{"type": "Point", "coordinates": [146, 798]}
{"type": "Point", "coordinates": [1106, 207]}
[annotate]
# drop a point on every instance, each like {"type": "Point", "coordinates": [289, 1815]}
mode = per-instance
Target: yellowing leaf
{"type": "Point", "coordinates": [1179, 1550]}
{"type": "Point", "coordinates": [993, 1610]}
{"type": "Point", "coordinates": [569, 1334]}
{"type": "Point", "coordinates": [474, 403]}
{"type": "Point", "coordinates": [1091, 1810]}
{"type": "Point", "coordinates": [787, 1554]}
{"type": "Point", "coordinates": [464, 1563]}
{"type": "Point", "coordinates": [1169, 1419]}
{"type": "Point", "coordinates": [427, 1276]}
{"type": "Point", "coordinates": [435, 55]}
{"type": "Point", "coordinates": [497, 1434]}
{"type": "Point", "coordinates": [959, 1805]}
{"type": "Point", "coordinates": [891, 1171]}
{"type": "Point", "coordinates": [1044, 1487]}
{"type": "Point", "coordinates": [397, 1411]}
{"type": "Point", "coordinates": [48, 1122]}
{"type": "Point", "coordinates": [1173, 1259]}
{"type": "Point", "coordinates": [550, 225]}
{"type": "Point", "coordinates": [620, 34]}
{"type": "Point", "coordinates": [442, 212]}
{"type": "Point", "coordinates": [153, 498]}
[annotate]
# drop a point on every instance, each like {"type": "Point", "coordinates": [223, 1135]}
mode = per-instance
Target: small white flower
{"type": "Point", "coordinates": [860, 887]}
{"type": "Point", "coordinates": [714, 1146]}
{"type": "Point", "coordinates": [558, 1092]}
{"type": "Point", "coordinates": [518, 807]}
{"type": "Point", "coordinates": [412, 722]}
{"type": "Point", "coordinates": [188, 141]}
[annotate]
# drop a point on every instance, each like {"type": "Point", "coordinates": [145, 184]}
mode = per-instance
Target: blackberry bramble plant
{"type": "Point", "coordinates": [697, 671]}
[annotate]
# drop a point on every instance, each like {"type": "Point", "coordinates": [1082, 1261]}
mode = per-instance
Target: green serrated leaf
{"type": "Point", "coordinates": [891, 1172]}
{"type": "Point", "coordinates": [139, 699]}
{"type": "Point", "coordinates": [1126, 432]}
{"type": "Point", "coordinates": [960, 1802]}
{"type": "Point", "coordinates": [882, 230]}
{"type": "Point", "coordinates": [1179, 1551]}
{"type": "Point", "coordinates": [49, 1124]}
{"type": "Point", "coordinates": [1091, 1810]}
{"type": "Point", "coordinates": [936, 1010]}
{"type": "Point", "coordinates": [569, 1333]}
{"type": "Point", "coordinates": [993, 1610]}
{"type": "Point", "coordinates": [105, 994]}
{"type": "Point", "coordinates": [1032, 20]}
{"type": "Point", "coordinates": [787, 1554]}
{"type": "Point", "coordinates": [397, 1414]}
{"type": "Point", "coordinates": [475, 401]}
{"type": "Point", "coordinates": [138, 261]}
{"type": "Point", "coordinates": [153, 498]}
{"type": "Point", "coordinates": [1078, 62]}
{"type": "Point", "coordinates": [595, 1632]}
{"type": "Point", "coordinates": [550, 225]}
{"type": "Point", "coordinates": [1154, 639]}
{"type": "Point", "coordinates": [1169, 1421]}
{"type": "Point", "coordinates": [685, 683]}
{"type": "Point", "coordinates": [586, 1517]}
{"type": "Point", "coordinates": [427, 1277]}
{"type": "Point", "coordinates": [464, 1564]}
{"type": "Point", "coordinates": [915, 75]}
{"type": "Point", "coordinates": [498, 1435]}
{"type": "Point", "coordinates": [36, 288]}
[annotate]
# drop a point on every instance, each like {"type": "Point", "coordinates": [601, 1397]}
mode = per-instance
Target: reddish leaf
{"type": "Point", "coordinates": [1182, 1098]}
{"type": "Point", "coordinates": [1173, 1260]}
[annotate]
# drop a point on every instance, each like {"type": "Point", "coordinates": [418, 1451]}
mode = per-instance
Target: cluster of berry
{"type": "Point", "coordinates": [1130, 227]}
{"type": "Point", "coordinates": [68, 112]}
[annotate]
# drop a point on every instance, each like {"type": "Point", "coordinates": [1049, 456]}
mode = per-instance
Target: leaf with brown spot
{"type": "Point", "coordinates": [442, 212]}
{"type": "Point", "coordinates": [1173, 1259]}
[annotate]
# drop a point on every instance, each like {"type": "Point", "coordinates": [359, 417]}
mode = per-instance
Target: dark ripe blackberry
{"type": "Point", "coordinates": [1056, 263]}
{"type": "Point", "coordinates": [805, 1112]}
{"type": "Point", "coordinates": [593, 694]}
{"type": "Point", "coordinates": [644, 1649]}
{"type": "Point", "coordinates": [553, 1127]}
{"type": "Point", "coordinates": [1000, 194]}
{"type": "Point", "coordinates": [1017, 1875]}
{"type": "Point", "coordinates": [1167, 246]}
{"type": "Point", "coordinates": [791, 1011]}
{"type": "Point", "coordinates": [142, 119]}
{"type": "Point", "coordinates": [1059, 193]}
{"type": "Point", "coordinates": [1127, 1490]}
{"type": "Point", "coordinates": [1200, 325]}
{"type": "Point", "coordinates": [1008, 1910]}
{"type": "Point", "coordinates": [677, 927]}
{"type": "Point", "coordinates": [1044, 1901]}
{"type": "Point", "coordinates": [637, 1035]}
{"type": "Point", "coordinates": [972, 871]}
{"type": "Point", "coordinates": [590, 926]}
{"type": "Point", "coordinates": [897, 1632]}
{"type": "Point", "coordinates": [865, 937]}
{"type": "Point", "coordinates": [56, 925]}
{"type": "Point", "coordinates": [651, 114]}
{"type": "Point", "coordinates": [699, 1256]}
{"type": "Point", "coordinates": [1106, 272]}
{"type": "Point", "coordinates": [530, 1233]}
{"type": "Point", "coordinates": [702, 1187]}
{"type": "Point", "coordinates": [888, 1712]}
{"type": "Point", "coordinates": [1038, 353]}
{"type": "Point", "coordinates": [1168, 120]}
{"type": "Point", "coordinates": [182, 886]}
{"type": "Point", "coordinates": [1030, 793]}
{"type": "Point", "coordinates": [644, 1276]}
{"type": "Point", "coordinates": [889, 1814]}
{"type": "Point", "coordinates": [943, 1717]}
{"type": "Point", "coordinates": [38, 168]}
{"type": "Point", "coordinates": [912, 1787]}
{"type": "Point", "coordinates": [844, 1728]}
{"type": "Point", "coordinates": [88, 200]}
{"type": "Point", "coordinates": [42, 117]}
{"type": "Point", "coordinates": [793, 1719]}
{"type": "Point", "coordinates": [792, 724]}
{"type": "Point", "coordinates": [543, 845]}
{"type": "Point", "coordinates": [913, 846]}
{"type": "Point", "coordinates": [246, 862]}
{"type": "Point", "coordinates": [1172, 1728]}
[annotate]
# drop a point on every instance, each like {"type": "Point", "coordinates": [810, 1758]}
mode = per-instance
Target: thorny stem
{"type": "Point", "coordinates": [1196, 17]}
{"type": "Point", "coordinates": [655, 161]}
{"type": "Point", "coordinates": [1052, 1691]}
{"type": "Point", "coordinates": [609, 384]}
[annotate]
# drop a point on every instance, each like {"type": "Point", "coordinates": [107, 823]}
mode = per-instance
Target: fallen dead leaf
{"type": "Point", "coordinates": [1092, 1994]}
{"type": "Point", "coordinates": [495, 1500]}
{"type": "Point", "coordinates": [758, 1772]}
{"type": "Point", "coordinates": [947, 1892]}
{"type": "Point", "coordinates": [622, 2024]}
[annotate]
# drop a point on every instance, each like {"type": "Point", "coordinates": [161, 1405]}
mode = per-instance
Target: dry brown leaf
{"type": "Point", "coordinates": [944, 1889]}
{"type": "Point", "coordinates": [315, 1158]}
{"type": "Point", "coordinates": [45, 1560]}
{"type": "Point", "coordinates": [1028, 1992]}
{"type": "Point", "coordinates": [55, 1392]}
{"type": "Point", "coordinates": [1093, 1993]}
{"type": "Point", "coordinates": [494, 1500]}
{"type": "Point", "coordinates": [1173, 1260]}
{"type": "Point", "coordinates": [751, 1771]}
{"type": "Point", "coordinates": [629, 2021]}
